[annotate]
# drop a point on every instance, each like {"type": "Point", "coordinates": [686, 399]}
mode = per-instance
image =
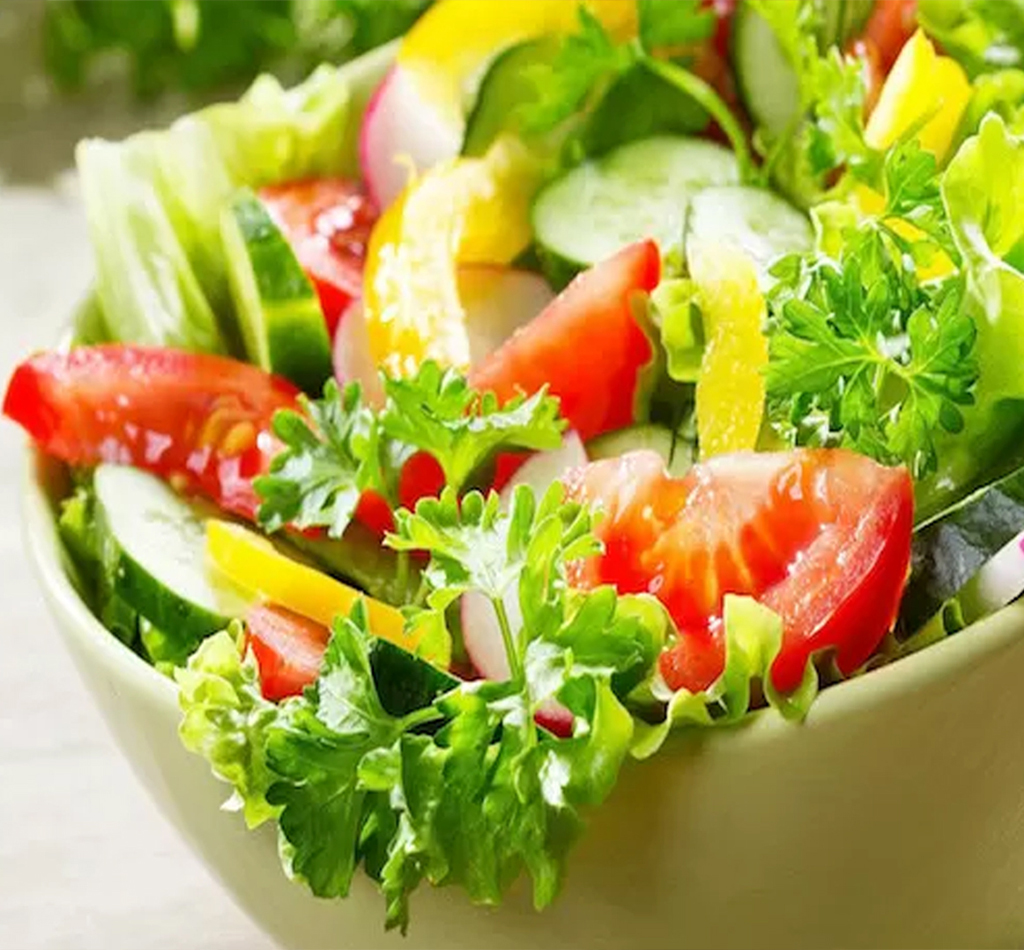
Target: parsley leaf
{"type": "Point", "coordinates": [585, 61]}
{"type": "Point", "coordinates": [862, 355]}
{"type": "Point", "coordinates": [436, 411]}
{"type": "Point", "coordinates": [337, 447]}
{"type": "Point", "coordinates": [674, 23]}
{"type": "Point", "coordinates": [327, 461]}
{"type": "Point", "coordinates": [589, 63]}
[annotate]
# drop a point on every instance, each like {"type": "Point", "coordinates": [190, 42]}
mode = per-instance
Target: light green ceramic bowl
{"type": "Point", "coordinates": [894, 816]}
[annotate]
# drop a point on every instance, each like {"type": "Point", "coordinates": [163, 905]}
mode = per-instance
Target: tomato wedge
{"type": "Point", "coordinates": [891, 24]}
{"type": "Point", "coordinates": [821, 536]}
{"type": "Point", "coordinates": [327, 222]}
{"type": "Point", "coordinates": [586, 346]}
{"type": "Point", "coordinates": [200, 421]}
{"type": "Point", "coordinates": [288, 649]}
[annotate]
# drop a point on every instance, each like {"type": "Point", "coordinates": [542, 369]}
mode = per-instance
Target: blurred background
{"type": "Point", "coordinates": [107, 872]}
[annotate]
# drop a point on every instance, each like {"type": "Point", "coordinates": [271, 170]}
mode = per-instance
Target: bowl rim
{"type": "Point", "coordinates": [948, 658]}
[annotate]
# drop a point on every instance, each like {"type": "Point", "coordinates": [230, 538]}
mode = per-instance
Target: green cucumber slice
{"type": "Point", "coordinates": [767, 81]}
{"type": "Point", "coordinates": [951, 552]}
{"type": "Point", "coordinates": [761, 223]}
{"type": "Point", "coordinates": [282, 324]}
{"type": "Point", "coordinates": [765, 77]}
{"type": "Point", "coordinates": [405, 682]}
{"type": "Point", "coordinates": [677, 452]}
{"type": "Point", "coordinates": [641, 190]}
{"type": "Point", "coordinates": [507, 84]}
{"type": "Point", "coordinates": [153, 552]}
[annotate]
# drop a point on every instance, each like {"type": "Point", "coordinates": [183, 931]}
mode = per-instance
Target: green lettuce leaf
{"type": "Point", "coordinates": [753, 638]}
{"type": "Point", "coordinates": [153, 203]}
{"type": "Point", "coordinates": [226, 720]}
{"type": "Point", "coordinates": [983, 190]}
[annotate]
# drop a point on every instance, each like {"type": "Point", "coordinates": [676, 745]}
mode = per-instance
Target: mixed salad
{"type": "Point", "coordinates": [652, 363]}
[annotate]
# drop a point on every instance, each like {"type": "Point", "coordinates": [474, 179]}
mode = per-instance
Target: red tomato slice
{"type": "Point", "coordinates": [585, 345]}
{"type": "Point", "coordinates": [197, 420]}
{"type": "Point", "coordinates": [820, 536]}
{"type": "Point", "coordinates": [891, 24]}
{"type": "Point", "coordinates": [288, 649]}
{"type": "Point", "coordinates": [327, 222]}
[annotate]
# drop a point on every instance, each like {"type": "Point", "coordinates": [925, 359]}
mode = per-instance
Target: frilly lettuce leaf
{"type": "Point", "coordinates": [153, 203]}
{"type": "Point", "coordinates": [226, 720]}
{"type": "Point", "coordinates": [983, 190]}
{"type": "Point", "coordinates": [753, 638]}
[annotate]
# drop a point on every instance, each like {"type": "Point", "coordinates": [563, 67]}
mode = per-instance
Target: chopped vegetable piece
{"type": "Point", "coordinates": [288, 649]}
{"type": "Point", "coordinates": [253, 564]}
{"type": "Point", "coordinates": [822, 537]}
{"type": "Point", "coordinates": [598, 389]}
{"type": "Point", "coordinates": [327, 222]}
{"type": "Point", "coordinates": [730, 387]}
{"type": "Point", "coordinates": [197, 420]}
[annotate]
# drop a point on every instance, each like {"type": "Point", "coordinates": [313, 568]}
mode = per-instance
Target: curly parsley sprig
{"type": "Point", "coordinates": [337, 447]}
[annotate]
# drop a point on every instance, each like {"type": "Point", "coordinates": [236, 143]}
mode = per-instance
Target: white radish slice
{"type": "Point", "coordinates": [401, 132]}
{"type": "Point", "coordinates": [498, 301]}
{"type": "Point", "coordinates": [480, 629]}
{"type": "Point", "coordinates": [352, 360]}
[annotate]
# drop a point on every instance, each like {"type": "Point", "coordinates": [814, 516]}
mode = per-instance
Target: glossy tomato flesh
{"type": "Point", "coordinates": [200, 421]}
{"type": "Point", "coordinates": [820, 536]}
{"type": "Point", "coordinates": [890, 25]}
{"type": "Point", "coordinates": [327, 222]}
{"type": "Point", "coordinates": [288, 649]}
{"type": "Point", "coordinates": [585, 346]}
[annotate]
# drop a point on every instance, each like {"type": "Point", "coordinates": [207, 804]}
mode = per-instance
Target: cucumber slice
{"type": "Point", "coordinates": [964, 553]}
{"type": "Point", "coordinates": [761, 223]}
{"type": "Point", "coordinates": [677, 452]}
{"type": "Point", "coordinates": [153, 546]}
{"type": "Point", "coordinates": [507, 84]}
{"type": "Point", "coordinates": [767, 82]}
{"type": "Point", "coordinates": [282, 324]}
{"type": "Point", "coordinates": [405, 682]}
{"type": "Point", "coordinates": [641, 190]}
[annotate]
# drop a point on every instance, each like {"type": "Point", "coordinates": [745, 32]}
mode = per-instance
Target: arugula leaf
{"type": "Point", "coordinates": [328, 460]}
{"type": "Point", "coordinates": [436, 411]}
{"type": "Point", "coordinates": [862, 355]}
{"type": "Point", "coordinates": [338, 447]}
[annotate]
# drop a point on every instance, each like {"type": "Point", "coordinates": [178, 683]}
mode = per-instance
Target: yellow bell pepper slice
{"type": "Point", "coordinates": [449, 47]}
{"type": "Point", "coordinates": [254, 565]}
{"type": "Point", "coordinates": [731, 387]}
{"type": "Point", "coordinates": [921, 86]}
{"type": "Point", "coordinates": [467, 210]}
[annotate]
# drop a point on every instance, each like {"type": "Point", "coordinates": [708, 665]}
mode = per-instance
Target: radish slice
{"type": "Point", "coordinates": [540, 470]}
{"type": "Point", "coordinates": [352, 360]}
{"type": "Point", "coordinates": [498, 301]}
{"type": "Point", "coordinates": [401, 132]}
{"type": "Point", "coordinates": [480, 630]}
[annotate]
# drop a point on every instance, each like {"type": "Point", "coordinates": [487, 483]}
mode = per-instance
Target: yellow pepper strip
{"type": "Point", "coordinates": [449, 47]}
{"type": "Point", "coordinates": [870, 202]}
{"type": "Point", "coordinates": [467, 210]}
{"type": "Point", "coordinates": [920, 85]}
{"type": "Point", "coordinates": [252, 563]}
{"type": "Point", "coordinates": [730, 387]}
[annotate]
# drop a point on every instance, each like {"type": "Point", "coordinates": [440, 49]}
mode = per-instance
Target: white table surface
{"type": "Point", "coordinates": [86, 861]}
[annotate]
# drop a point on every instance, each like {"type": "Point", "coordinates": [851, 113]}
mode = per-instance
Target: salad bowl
{"type": "Point", "coordinates": [893, 815]}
